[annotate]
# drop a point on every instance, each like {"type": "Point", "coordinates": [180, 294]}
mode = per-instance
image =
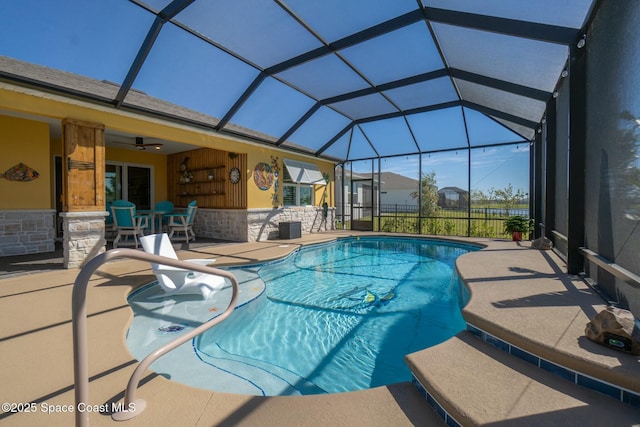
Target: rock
{"type": "Point", "coordinates": [542, 243]}
{"type": "Point", "coordinates": [615, 328]}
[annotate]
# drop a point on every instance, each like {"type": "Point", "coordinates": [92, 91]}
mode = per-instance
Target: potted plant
{"type": "Point", "coordinates": [516, 225]}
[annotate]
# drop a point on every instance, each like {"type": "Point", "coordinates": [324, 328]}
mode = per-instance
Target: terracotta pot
{"type": "Point", "coordinates": [516, 236]}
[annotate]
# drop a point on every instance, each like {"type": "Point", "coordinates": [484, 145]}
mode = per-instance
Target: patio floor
{"type": "Point", "coordinates": [36, 340]}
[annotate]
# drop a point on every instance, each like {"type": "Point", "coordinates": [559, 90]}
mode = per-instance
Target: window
{"type": "Point", "coordinates": [299, 179]}
{"type": "Point", "coordinates": [290, 194]}
{"type": "Point", "coordinates": [295, 194]}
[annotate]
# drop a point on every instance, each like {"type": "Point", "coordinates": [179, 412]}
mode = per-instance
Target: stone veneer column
{"type": "Point", "coordinates": [83, 236]}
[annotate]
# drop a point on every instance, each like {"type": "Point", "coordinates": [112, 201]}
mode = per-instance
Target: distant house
{"type": "Point", "coordinates": [396, 189]}
{"type": "Point", "coordinates": [392, 193]}
{"type": "Point", "coordinates": [453, 198]}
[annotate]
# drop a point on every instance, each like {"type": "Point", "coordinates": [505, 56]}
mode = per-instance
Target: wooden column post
{"type": "Point", "coordinates": [84, 168]}
{"type": "Point", "coordinates": [83, 191]}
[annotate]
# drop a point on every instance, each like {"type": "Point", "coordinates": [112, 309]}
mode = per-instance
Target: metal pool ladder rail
{"type": "Point", "coordinates": [79, 321]}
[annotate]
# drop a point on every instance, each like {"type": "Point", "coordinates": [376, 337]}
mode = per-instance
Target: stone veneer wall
{"type": "Point", "coordinates": [27, 231]}
{"type": "Point", "coordinates": [225, 224]}
{"type": "Point", "coordinates": [258, 224]}
{"type": "Point", "coordinates": [263, 223]}
{"type": "Point", "coordinates": [83, 237]}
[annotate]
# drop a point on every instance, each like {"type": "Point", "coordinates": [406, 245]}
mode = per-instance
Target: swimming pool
{"type": "Point", "coordinates": [331, 318]}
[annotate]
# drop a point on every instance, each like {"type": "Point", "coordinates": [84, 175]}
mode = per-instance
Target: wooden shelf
{"type": "Point", "coordinates": [216, 193]}
{"type": "Point", "coordinates": [204, 169]}
{"type": "Point", "coordinates": [203, 181]}
{"type": "Point", "coordinates": [200, 194]}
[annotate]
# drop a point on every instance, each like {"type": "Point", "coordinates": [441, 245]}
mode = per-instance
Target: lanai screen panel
{"type": "Point", "coordinates": [195, 74]}
{"type": "Point", "coordinates": [318, 129]}
{"type": "Point", "coordinates": [503, 101]}
{"type": "Point", "coordinates": [561, 202]}
{"type": "Point", "coordinates": [526, 132]}
{"type": "Point", "coordinates": [337, 19]}
{"type": "Point", "coordinates": [570, 13]}
{"type": "Point", "coordinates": [324, 77]}
{"type": "Point", "coordinates": [612, 149]}
{"type": "Point", "coordinates": [365, 106]}
{"type": "Point", "coordinates": [405, 52]}
{"type": "Point", "coordinates": [487, 132]}
{"type": "Point", "coordinates": [305, 75]}
{"type": "Point", "coordinates": [432, 136]}
{"type": "Point", "coordinates": [272, 109]}
{"type": "Point", "coordinates": [390, 136]}
{"type": "Point", "coordinates": [427, 93]}
{"type": "Point", "coordinates": [526, 62]}
{"type": "Point", "coordinates": [258, 30]}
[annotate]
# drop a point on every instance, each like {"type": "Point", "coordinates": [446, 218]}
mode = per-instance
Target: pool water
{"type": "Point", "coordinates": [328, 318]}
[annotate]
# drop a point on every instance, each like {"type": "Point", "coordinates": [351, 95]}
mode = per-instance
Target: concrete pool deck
{"type": "Point", "coordinates": [511, 288]}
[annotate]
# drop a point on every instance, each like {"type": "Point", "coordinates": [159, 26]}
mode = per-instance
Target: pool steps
{"type": "Point", "coordinates": [536, 368]}
{"type": "Point", "coordinates": [470, 382]}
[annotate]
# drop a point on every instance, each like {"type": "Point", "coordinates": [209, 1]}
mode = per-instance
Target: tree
{"type": "Point", "coordinates": [429, 205]}
{"type": "Point", "coordinates": [479, 197]}
{"type": "Point", "coordinates": [508, 199]}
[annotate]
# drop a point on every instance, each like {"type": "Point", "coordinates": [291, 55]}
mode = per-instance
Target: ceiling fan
{"type": "Point", "coordinates": [140, 144]}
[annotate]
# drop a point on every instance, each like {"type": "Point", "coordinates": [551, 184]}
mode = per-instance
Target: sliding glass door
{"type": "Point", "coordinates": [139, 186]}
{"type": "Point", "coordinates": [129, 182]}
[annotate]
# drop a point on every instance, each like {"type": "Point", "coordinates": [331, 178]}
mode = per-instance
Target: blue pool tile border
{"type": "Point", "coordinates": [446, 417]}
{"type": "Point", "coordinates": [616, 392]}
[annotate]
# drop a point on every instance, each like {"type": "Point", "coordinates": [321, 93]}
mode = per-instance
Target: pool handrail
{"type": "Point", "coordinates": [79, 323]}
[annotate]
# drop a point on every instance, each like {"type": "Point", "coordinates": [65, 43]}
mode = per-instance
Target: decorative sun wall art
{"type": "Point", "coordinates": [263, 176]}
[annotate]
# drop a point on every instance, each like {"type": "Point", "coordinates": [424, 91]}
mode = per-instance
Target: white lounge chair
{"type": "Point", "coordinates": [177, 280]}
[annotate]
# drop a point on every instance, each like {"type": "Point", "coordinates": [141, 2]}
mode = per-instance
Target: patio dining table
{"type": "Point", "coordinates": [156, 215]}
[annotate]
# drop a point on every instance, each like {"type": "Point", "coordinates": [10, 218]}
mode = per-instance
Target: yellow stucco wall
{"type": "Point", "coordinates": [26, 101]}
{"type": "Point", "coordinates": [257, 198]}
{"type": "Point", "coordinates": [263, 198]}
{"type": "Point", "coordinates": [25, 141]}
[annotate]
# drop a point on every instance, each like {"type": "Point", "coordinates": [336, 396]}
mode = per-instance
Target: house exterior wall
{"type": "Point", "coordinates": [263, 224]}
{"type": "Point", "coordinates": [255, 225]}
{"type": "Point", "coordinates": [27, 217]}
{"type": "Point", "coordinates": [25, 141]}
{"type": "Point", "coordinates": [398, 197]}
{"type": "Point", "coordinates": [258, 198]}
{"type": "Point", "coordinates": [29, 142]}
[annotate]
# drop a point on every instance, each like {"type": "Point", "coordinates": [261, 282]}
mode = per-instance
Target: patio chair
{"type": "Point", "coordinates": [109, 229]}
{"type": "Point", "coordinates": [126, 223]}
{"type": "Point", "coordinates": [183, 222]}
{"type": "Point", "coordinates": [177, 280]}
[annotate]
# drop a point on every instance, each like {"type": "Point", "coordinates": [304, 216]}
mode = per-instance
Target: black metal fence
{"type": "Point", "coordinates": [474, 222]}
